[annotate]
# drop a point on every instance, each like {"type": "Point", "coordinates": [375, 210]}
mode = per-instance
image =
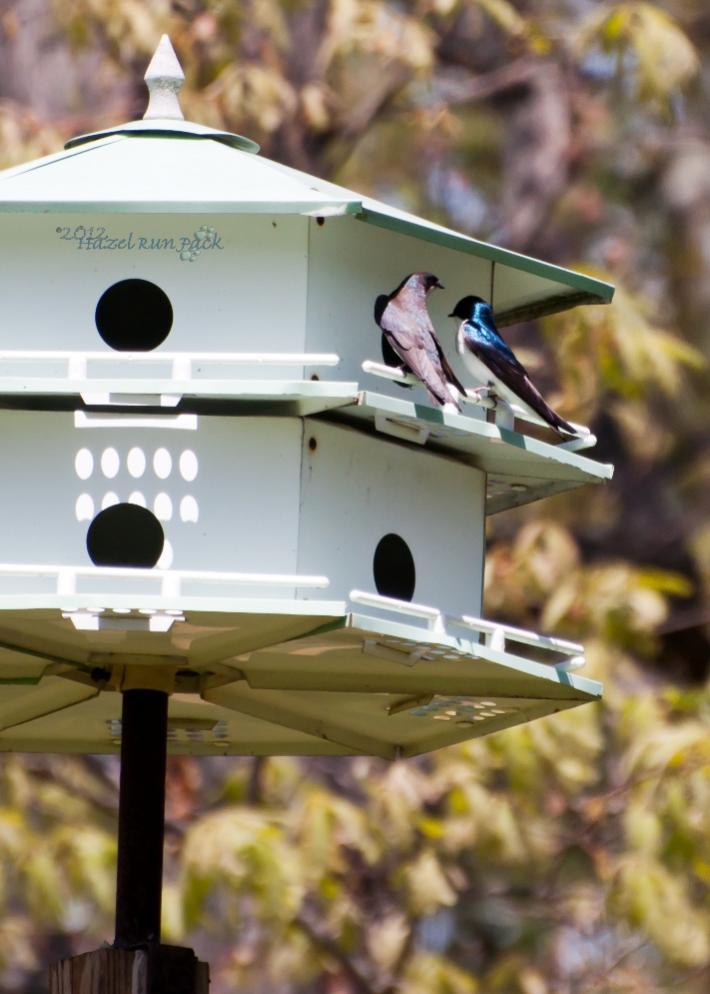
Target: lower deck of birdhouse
{"type": "Point", "coordinates": [396, 681]}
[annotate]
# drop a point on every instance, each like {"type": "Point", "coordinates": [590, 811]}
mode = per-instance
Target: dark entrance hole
{"type": "Point", "coordinates": [125, 535]}
{"type": "Point", "coordinates": [393, 568]}
{"type": "Point", "coordinates": [134, 316]}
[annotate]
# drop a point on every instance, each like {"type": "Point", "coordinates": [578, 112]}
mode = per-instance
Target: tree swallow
{"type": "Point", "coordinates": [492, 362]}
{"type": "Point", "coordinates": [407, 327]}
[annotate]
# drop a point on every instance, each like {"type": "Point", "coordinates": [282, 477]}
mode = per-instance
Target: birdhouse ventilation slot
{"type": "Point", "coordinates": [134, 316]}
{"type": "Point", "coordinates": [181, 730]}
{"type": "Point", "coordinates": [125, 535]}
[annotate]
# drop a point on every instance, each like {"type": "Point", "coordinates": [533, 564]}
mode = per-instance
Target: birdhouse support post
{"type": "Point", "coordinates": [141, 818]}
{"type": "Point", "coordinates": [137, 963]}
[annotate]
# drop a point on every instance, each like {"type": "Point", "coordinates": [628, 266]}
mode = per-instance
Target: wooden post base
{"type": "Point", "coordinates": [159, 970]}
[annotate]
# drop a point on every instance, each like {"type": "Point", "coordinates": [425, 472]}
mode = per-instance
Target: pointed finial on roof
{"type": "Point", "coordinates": [164, 78]}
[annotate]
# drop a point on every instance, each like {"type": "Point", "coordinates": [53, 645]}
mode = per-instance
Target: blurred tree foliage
{"type": "Point", "coordinates": [569, 855]}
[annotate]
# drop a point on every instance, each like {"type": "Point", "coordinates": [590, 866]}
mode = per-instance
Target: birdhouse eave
{"type": "Point", "coordinates": [552, 288]}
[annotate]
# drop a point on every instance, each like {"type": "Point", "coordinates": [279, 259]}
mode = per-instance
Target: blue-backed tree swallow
{"type": "Point", "coordinates": [491, 361]}
{"type": "Point", "coordinates": [403, 317]}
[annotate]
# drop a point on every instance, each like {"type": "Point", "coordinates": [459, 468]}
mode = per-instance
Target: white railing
{"type": "Point", "coordinates": [504, 413]}
{"type": "Point", "coordinates": [179, 365]}
{"type": "Point", "coordinates": [146, 378]}
{"type": "Point", "coordinates": [166, 583]}
{"type": "Point", "coordinates": [431, 614]}
{"type": "Point", "coordinates": [495, 634]}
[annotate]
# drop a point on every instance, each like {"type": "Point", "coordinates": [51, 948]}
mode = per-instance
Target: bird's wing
{"type": "Point", "coordinates": [497, 355]}
{"type": "Point", "coordinates": [380, 304]}
{"type": "Point", "coordinates": [412, 336]}
{"type": "Point", "coordinates": [448, 371]}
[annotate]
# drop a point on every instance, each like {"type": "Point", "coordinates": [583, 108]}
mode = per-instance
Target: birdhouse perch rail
{"type": "Point", "coordinates": [169, 581]}
{"type": "Point", "coordinates": [495, 634]}
{"type": "Point", "coordinates": [180, 362]}
{"type": "Point", "coordinates": [483, 398]}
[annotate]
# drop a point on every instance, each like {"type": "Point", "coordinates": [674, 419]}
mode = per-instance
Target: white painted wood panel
{"type": "Point", "coordinates": [224, 489]}
{"type": "Point", "coordinates": [358, 488]}
{"type": "Point", "coordinates": [236, 283]}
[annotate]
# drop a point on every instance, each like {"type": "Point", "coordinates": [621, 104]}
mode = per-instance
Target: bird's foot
{"type": "Point", "coordinates": [481, 396]}
{"type": "Point", "coordinates": [489, 398]}
{"type": "Point", "coordinates": [479, 393]}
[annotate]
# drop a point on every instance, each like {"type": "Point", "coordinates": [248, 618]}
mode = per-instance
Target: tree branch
{"type": "Point", "coordinates": [328, 947]}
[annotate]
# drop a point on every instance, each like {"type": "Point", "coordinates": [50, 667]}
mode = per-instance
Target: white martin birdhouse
{"type": "Point", "coordinates": [214, 482]}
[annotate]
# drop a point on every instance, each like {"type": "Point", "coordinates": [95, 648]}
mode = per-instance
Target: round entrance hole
{"type": "Point", "coordinates": [125, 535]}
{"type": "Point", "coordinates": [134, 316]}
{"type": "Point", "coordinates": [393, 568]}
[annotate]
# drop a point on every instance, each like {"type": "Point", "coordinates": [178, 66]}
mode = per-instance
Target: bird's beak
{"type": "Point", "coordinates": [440, 285]}
{"type": "Point", "coordinates": [452, 315]}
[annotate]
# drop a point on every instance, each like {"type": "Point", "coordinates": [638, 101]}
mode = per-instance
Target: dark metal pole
{"type": "Point", "coordinates": [141, 818]}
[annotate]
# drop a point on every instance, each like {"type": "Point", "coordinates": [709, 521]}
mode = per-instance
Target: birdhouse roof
{"type": "Point", "coordinates": [160, 171]}
{"type": "Point", "coordinates": [164, 164]}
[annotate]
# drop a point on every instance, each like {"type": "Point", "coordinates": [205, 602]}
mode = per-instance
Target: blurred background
{"type": "Point", "coordinates": [569, 855]}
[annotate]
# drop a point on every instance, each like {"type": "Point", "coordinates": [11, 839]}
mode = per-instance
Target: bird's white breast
{"type": "Point", "coordinates": [478, 370]}
{"type": "Point", "coordinates": [484, 377]}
